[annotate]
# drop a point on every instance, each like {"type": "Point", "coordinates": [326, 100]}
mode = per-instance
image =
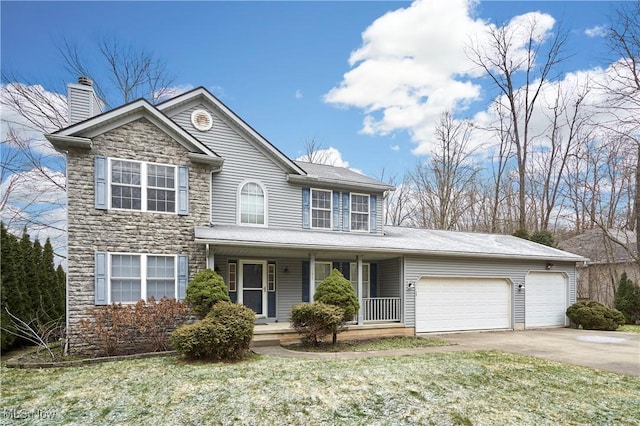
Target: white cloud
{"type": "Point", "coordinates": [299, 94]}
{"type": "Point", "coordinates": [597, 31]}
{"type": "Point", "coordinates": [394, 147]}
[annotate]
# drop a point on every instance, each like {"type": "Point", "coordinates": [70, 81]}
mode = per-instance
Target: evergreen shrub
{"type": "Point", "coordinates": [592, 315]}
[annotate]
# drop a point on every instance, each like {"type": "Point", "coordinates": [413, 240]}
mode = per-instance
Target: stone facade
{"type": "Point", "coordinates": [91, 230]}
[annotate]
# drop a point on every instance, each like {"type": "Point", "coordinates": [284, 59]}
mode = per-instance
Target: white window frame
{"type": "Point", "coordinates": [239, 204]}
{"type": "Point", "coordinates": [366, 279]}
{"type": "Point", "coordinates": [368, 221]}
{"type": "Point", "coordinates": [318, 281]}
{"type": "Point", "coordinates": [311, 208]}
{"type": "Point", "coordinates": [143, 185]}
{"type": "Point", "coordinates": [143, 274]}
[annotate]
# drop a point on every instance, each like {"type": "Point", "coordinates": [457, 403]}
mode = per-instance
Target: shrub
{"type": "Point", "coordinates": [205, 290]}
{"type": "Point", "coordinates": [592, 315]}
{"type": "Point", "coordinates": [627, 299]}
{"type": "Point", "coordinates": [223, 335]}
{"type": "Point", "coordinates": [316, 320]}
{"type": "Point", "coordinates": [337, 290]}
{"type": "Point", "coordinates": [543, 237]}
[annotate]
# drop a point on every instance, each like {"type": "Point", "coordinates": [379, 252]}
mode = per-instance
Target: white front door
{"type": "Point", "coordinates": [252, 285]}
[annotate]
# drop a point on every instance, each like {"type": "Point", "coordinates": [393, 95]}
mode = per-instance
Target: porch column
{"type": "Point", "coordinates": [208, 265]}
{"type": "Point", "coordinates": [312, 276]}
{"type": "Point", "coordinates": [359, 273]}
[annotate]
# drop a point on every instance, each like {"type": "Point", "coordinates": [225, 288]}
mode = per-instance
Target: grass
{"type": "Point", "coordinates": [483, 387]}
{"type": "Point", "coordinates": [378, 344]}
{"type": "Point", "coordinates": [629, 328]}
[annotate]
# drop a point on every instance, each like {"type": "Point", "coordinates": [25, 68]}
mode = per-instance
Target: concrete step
{"type": "Point", "coordinates": [262, 341]}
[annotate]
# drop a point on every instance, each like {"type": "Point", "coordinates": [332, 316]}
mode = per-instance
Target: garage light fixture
{"type": "Point", "coordinates": [520, 286]}
{"type": "Point", "coordinates": [549, 265]}
{"type": "Point", "coordinates": [410, 285]}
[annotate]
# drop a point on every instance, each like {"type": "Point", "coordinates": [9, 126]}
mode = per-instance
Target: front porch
{"type": "Point", "coordinates": [275, 334]}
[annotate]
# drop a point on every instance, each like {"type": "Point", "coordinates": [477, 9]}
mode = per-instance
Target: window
{"type": "Point", "coordinates": [139, 276]}
{"type": "Point", "coordinates": [320, 209]}
{"type": "Point", "coordinates": [322, 271]}
{"type": "Point", "coordinates": [232, 276]}
{"type": "Point", "coordinates": [359, 212]}
{"type": "Point", "coordinates": [143, 186]}
{"type": "Point", "coordinates": [252, 204]}
{"type": "Point", "coordinates": [366, 278]}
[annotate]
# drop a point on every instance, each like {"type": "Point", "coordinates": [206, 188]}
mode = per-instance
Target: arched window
{"type": "Point", "coordinates": [252, 206]}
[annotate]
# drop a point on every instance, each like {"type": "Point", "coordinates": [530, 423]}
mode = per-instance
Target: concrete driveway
{"type": "Point", "coordinates": [605, 350]}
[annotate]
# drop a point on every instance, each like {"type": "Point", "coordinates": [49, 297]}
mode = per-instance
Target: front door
{"type": "Point", "coordinates": [253, 287]}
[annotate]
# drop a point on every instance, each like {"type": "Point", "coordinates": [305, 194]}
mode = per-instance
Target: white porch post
{"type": "Point", "coordinates": [361, 310]}
{"type": "Point", "coordinates": [209, 264]}
{"type": "Point", "coordinates": [312, 276]}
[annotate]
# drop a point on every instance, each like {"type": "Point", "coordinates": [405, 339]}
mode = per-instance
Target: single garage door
{"type": "Point", "coordinates": [457, 304]}
{"type": "Point", "coordinates": [545, 299]}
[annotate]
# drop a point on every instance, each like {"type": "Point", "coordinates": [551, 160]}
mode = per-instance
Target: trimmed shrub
{"type": "Point", "coordinates": [316, 320]}
{"type": "Point", "coordinates": [205, 290]}
{"type": "Point", "coordinates": [223, 335]}
{"type": "Point", "coordinates": [592, 315]}
{"type": "Point", "coordinates": [337, 290]}
{"type": "Point", "coordinates": [627, 299]}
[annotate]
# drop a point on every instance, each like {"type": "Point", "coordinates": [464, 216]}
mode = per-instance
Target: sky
{"type": "Point", "coordinates": [333, 72]}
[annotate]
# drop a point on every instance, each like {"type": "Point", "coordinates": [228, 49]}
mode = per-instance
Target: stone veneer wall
{"type": "Point", "coordinates": [91, 230]}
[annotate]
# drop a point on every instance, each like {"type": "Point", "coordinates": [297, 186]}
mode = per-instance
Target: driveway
{"type": "Point", "coordinates": [605, 350]}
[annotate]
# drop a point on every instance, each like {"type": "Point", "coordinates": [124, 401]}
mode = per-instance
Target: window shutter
{"type": "Point", "coordinates": [345, 211]}
{"type": "Point", "coordinates": [373, 280]}
{"type": "Point", "coordinates": [183, 190]}
{"type": "Point", "coordinates": [336, 211]}
{"type": "Point", "coordinates": [373, 218]}
{"type": "Point", "coordinates": [306, 195]}
{"type": "Point", "coordinates": [100, 182]}
{"type": "Point", "coordinates": [305, 281]}
{"type": "Point", "coordinates": [183, 275]}
{"type": "Point", "coordinates": [100, 289]}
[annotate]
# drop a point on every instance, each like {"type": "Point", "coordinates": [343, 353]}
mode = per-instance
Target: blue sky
{"type": "Point", "coordinates": [274, 63]}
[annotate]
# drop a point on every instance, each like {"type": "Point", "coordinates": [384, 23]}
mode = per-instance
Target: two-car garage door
{"type": "Point", "coordinates": [455, 304]}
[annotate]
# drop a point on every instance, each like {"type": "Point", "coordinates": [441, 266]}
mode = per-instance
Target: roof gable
{"type": "Point", "coordinates": [202, 95]}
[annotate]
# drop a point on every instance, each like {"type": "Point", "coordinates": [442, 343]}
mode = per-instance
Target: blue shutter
{"type": "Point", "coordinates": [345, 211]}
{"type": "Point", "coordinates": [373, 280]}
{"type": "Point", "coordinates": [373, 218]}
{"type": "Point", "coordinates": [305, 281]}
{"type": "Point", "coordinates": [336, 211]}
{"type": "Point", "coordinates": [346, 270]}
{"type": "Point", "coordinates": [183, 275]}
{"type": "Point", "coordinates": [100, 289]}
{"type": "Point", "coordinates": [306, 195]}
{"type": "Point", "coordinates": [183, 190]}
{"type": "Point", "coordinates": [100, 182]}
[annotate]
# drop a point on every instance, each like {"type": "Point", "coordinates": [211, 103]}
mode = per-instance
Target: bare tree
{"type": "Point", "coordinates": [509, 51]}
{"type": "Point", "coordinates": [314, 152]}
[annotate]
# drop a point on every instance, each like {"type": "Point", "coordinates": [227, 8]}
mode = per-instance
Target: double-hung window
{"type": "Point", "coordinates": [321, 209]}
{"type": "Point", "coordinates": [359, 212]}
{"type": "Point", "coordinates": [143, 186]}
{"type": "Point", "coordinates": [139, 276]}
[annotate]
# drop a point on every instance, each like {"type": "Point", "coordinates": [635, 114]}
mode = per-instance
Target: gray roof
{"type": "Point", "coordinates": [591, 244]}
{"type": "Point", "coordinates": [396, 240]}
{"type": "Point", "coordinates": [334, 174]}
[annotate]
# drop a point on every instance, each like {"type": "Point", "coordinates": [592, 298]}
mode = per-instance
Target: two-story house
{"type": "Point", "coordinates": [158, 193]}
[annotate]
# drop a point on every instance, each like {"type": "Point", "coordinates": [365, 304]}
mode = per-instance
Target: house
{"type": "Point", "coordinates": [599, 277]}
{"type": "Point", "coordinates": [158, 193]}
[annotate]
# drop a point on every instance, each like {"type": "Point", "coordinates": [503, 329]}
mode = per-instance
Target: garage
{"type": "Point", "coordinates": [462, 303]}
{"type": "Point", "coordinates": [545, 299]}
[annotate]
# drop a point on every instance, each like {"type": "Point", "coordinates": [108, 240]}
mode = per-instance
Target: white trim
{"type": "Point", "coordinates": [368, 281]}
{"type": "Point", "coordinates": [311, 208]}
{"type": "Point", "coordinates": [240, 284]}
{"type": "Point", "coordinates": [143, 185]}
{"type": "Point", "coordinates": [368, 221]}
{"type": "Point", "coordinates": [207, 126]}
{"type": "Point", "coordinates": [143, 274]}
{"type": "Point", "coordinates": [238, 204]}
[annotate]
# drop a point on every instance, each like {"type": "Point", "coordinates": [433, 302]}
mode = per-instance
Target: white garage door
{"type": "Point", "coordinates": [545, 299]}
{"type": "Point", "coordinates": [456, 304]}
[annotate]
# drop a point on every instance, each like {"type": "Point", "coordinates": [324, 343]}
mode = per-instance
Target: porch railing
{"type": "Point", "coordinates": [380, 309]}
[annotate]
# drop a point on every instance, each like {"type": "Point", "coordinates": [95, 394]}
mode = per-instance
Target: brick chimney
{"type": "Point", "coordinates": [83, 101]}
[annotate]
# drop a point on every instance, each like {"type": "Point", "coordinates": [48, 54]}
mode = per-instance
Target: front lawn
{"type": "Point", "coordinates": [484, 387]}
{"type": "Point", "coordinates": [378, 344]}
{"type": "Point", "coordinates": [629, 328]}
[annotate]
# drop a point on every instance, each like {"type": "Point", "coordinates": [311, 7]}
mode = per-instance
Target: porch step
{"type": "Point", "coordinates": [265, 340]}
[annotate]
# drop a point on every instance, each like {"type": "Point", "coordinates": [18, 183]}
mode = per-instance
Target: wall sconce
{"type": "Point", "coordinates": [549, 265]}
{"type": "Point", "coordinates": [520, 287]}
{"type": "Point", "coordinates": [286, 270]}
{"type": "Point", "coordinates": [410, 285]}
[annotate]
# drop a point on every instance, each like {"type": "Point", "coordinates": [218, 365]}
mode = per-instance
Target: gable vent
{"type": "Point", "coordinates": [201, 120]}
